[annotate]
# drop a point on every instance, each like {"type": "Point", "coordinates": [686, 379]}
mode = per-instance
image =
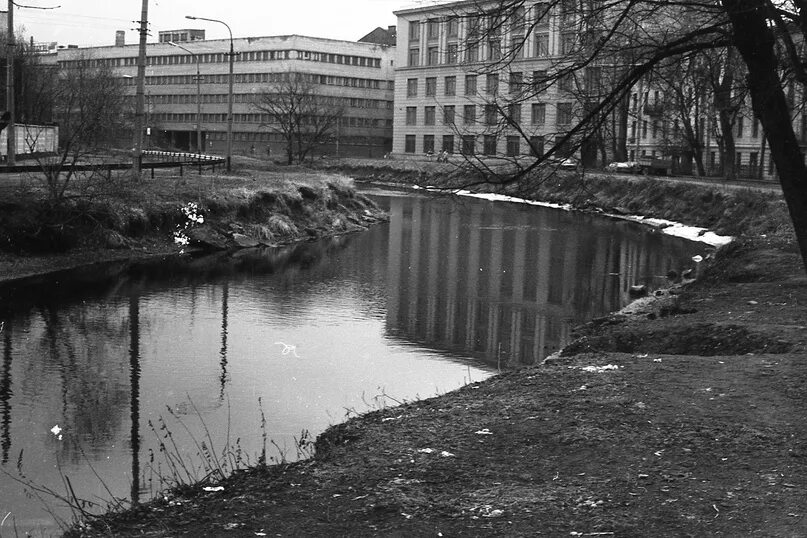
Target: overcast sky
{"type": "Point", "coordinates": [94, 22]}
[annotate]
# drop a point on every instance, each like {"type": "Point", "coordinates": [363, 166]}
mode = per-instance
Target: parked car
{"type": "Point", "coordinates": [629, 167]}
{"type": "Point", "coordinates": [566, 163]}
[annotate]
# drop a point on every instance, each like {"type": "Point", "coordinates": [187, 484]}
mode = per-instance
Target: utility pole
{"type": "Point", "coordinates": [11, 141]}
{"type": "Point", "coordinates": [140, 95]}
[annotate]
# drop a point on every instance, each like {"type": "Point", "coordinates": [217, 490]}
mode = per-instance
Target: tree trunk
{"type": "Point", "coordinates": [727, 146]}
{"type": "Point", "coordinates": [755, 41]}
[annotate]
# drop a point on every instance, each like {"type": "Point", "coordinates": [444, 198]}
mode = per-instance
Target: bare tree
{"type": "Point", "coordinates": [631, 39]}
{"type": "Point", "coordinates": [91, 109]}
{"type": "Point", "coordinates": [305, 119]}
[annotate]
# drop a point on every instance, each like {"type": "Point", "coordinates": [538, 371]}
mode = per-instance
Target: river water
{"type": "Point", "coordinates": [234, 353]}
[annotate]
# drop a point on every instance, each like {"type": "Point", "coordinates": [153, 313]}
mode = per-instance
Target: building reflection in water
{"type": "Point", "coordinates": [507, 283]}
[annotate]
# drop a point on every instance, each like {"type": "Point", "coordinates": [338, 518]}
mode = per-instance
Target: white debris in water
{"type": "Point", "coordinates": [213, 488]}
{"type": "Point", "coordinates": [57, 431]}
{"type": "Point", "coordinates": [288, 348]}
{"type": "Point", "coordinates": [484, 431]}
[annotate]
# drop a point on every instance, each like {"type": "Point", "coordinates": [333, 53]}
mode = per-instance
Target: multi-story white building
{"type": "Point", "coordinates": [460, 71]}
{"type": "Point", "coordinates": [355, 76]}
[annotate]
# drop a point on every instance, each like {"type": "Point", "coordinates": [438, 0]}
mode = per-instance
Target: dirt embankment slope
{"type": "Point", "coordinates": [686, 421]}
{"type": "Point", "coordinates": [169, 215]}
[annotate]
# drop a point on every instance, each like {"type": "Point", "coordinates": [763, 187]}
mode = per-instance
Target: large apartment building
{"type": "Point", "coordinates": [459, 71]}
{"type": "Point", "coordinates": [354, 76]}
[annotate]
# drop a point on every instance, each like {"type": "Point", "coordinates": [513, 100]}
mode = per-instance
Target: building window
{"type": "Point", "coordinates": [470, 84]}
{"type": "Point", "coordinates": [495, 50]}
{"type": "Point", "coordinates": [431, 86]}
{"type": "Point", "coordinates": [451, 86]}
{"type": "Point", "coordinates": [472, 52]}
{"type": "Point", "coordinates": [542, 45]}
{"type": "Point", "coordinates": [469, 114]}
{"type": "Point", "coordinates": [411, 115]}
{"type": "Point", "coordinates": [452, 27]}
{"type": "Point", "coordinates": [448, 143]}
{"type": "Point", "coordinates": [452, 53]}
{"type": "Point", "coordinates": [517, 46]}
{"type": "Point", "coordinates": [593, 78]}
{"type": "Point", "coordinates": [537, 146]}
{"type": "Point", "coordinates": [513, 146]}
{"type": "Point", "coordinates": [644, 128]}
{"type": "Point", "coordinates": [753, 162]}
{"type": "Point", "coordinates": [428, 143]}
{"type": "Point", "coordinates": [428, 115]}
{"type": "Point", "coordinates": [567, 42]}
{"type": "Point", "coordinates": [564, 113]}
{"type": "Point", "coordinates": [538, 81]}
{"type": "Point", "coordinates": [448, 114]}
{"type": "Point", "coordinates": [433, 56]}
{"type": "Point", "coordinates": [489, 145]}
{"type": "Point", "coordinates": [655, 128]}
{"type": "Point", "coordinates": [492, 84]}
{"type": "Point", "coordinates": [409, 144]}
{"type": "Point", "coordinates": [414, 31]}
{"type": "Point", "coordinates": [516, 82]}
{"type": "Point", "coordinates": [490, 115]}
{"type": "Point", "coordinates": [468, 144]}
{"type": "Point", "coordinates": [412, 87]}
{"type": "Point", "coordinates": [740, 126]}
{"type": "Point", "coordinates": [432, 29]}
{"type": "Point", "coordinates": [414, 57]}
{"type": "Point", "coordinates": [514, 113]}
{"type": "Point", "coordinates": [566, 82]}
{"type": "Point", "coordinates": [755, 126]}
{"type": "Point", "coordinates": [538, 113]}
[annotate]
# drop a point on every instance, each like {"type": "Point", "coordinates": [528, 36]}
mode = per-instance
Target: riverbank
{"type": "Point", "coordinates": [681, 420]}
{"type": "Point", "coordinates": [258, 205]}
{"type": "Point", "coordinates": [629, 436]}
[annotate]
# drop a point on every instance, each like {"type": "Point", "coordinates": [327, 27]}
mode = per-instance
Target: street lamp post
{"type": "Point", "coordinates": [230, 93]}
{"type": "Point", "coordinates": [198, 98]}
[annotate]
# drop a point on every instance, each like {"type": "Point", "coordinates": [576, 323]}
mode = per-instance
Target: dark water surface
{"type": "Point", "coordinates": [446, 293]}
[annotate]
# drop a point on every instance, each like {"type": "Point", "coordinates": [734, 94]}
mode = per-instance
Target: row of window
{"type": "Point", "coordinates": [491, 49]}
{"type": "Point", "coordinates": [189, 99]}
{"type": "Point", "coordinates": [497, 21]}
{"type": "Point", "coordinates": [538, 81]}
{"type": "Point", "coordinates": [658, 128]}
{"type": "Point", "coordinates": [263, 119]}
{"type": "Point", "coordinates": [264, 136]}
{"type": "Point", "coordinates": [221, 57]}
{"type": "Point", "coordinates": [492, 114]}
{"type": "Point", "coordinates": [513, 147]}
{"type": "Point", "coordinates": [265, 78]}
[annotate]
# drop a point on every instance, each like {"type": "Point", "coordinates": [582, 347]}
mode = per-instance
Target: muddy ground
{"type": "Point", "coordinates": [683, 418]}
{"type": "Point", "coordinates": [689, 423]}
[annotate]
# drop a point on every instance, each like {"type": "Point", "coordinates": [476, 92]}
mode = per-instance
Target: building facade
{"type": "Point", "coordinates": [357, 77]}
{"type": "Point", "coordinates": [657, 130]}
{"type": "Point", "coordinates": [460, 71]}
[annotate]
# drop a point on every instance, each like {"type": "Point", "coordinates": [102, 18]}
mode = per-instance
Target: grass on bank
{"type": "Point", "coordinates": [274, 206]}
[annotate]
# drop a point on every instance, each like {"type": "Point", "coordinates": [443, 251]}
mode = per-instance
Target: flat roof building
{"type": "Point", "coordinates": [358, 77]}
{"type": "Point", "coordinates": [459, 73]}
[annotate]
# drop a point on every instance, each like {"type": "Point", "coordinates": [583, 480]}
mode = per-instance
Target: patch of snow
{"type": "Point", "coordinates": [693, 233]}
